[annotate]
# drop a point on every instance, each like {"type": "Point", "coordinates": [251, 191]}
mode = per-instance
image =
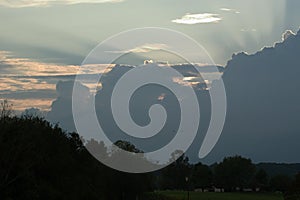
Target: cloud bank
{"type": "Point", "coordinates": [263, 106]}
{"type": "Point", "coordinates": [27, 82]}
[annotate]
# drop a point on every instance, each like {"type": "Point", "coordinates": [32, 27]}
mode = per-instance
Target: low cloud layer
{"type": "Point", "coordinates": [27, 82]}
{"type": "Point", "coordinates": [202, 18]}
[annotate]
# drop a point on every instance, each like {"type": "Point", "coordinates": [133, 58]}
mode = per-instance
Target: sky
{"type": "Point", "coordinates": [66, 31]}
{"type": "Point", "coordinates": [44, 42]}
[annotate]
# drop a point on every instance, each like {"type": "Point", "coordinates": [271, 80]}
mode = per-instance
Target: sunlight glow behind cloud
{"type": "Point", "coordinates": [26, 82]}
{"type": "Point", "coordinates": [143, 48]}
{"type": "Point", "coordinates": [12, 66]}
{"type": "Point", "coordinates": [203, 18]}
{"type": "Point", "coordinates": [19, 105]}
{"type": "Point", "coordinates": [46, 3]}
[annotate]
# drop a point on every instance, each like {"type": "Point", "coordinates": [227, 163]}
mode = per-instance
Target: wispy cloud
{"type": "Point", "coordinates": [248, 30]}
{"type": "Point", "coordinates": [46, 3]}
{"type": "Point", "coordinates": [148, 47]}
{"type": "Point", "coordinates": [230, 10]}
{"type": "Point", "coordinates": [202, 18]}
{"type": "Point", "coordinates": [191, 82]}
{"type": "Point", "coordinates": [13, 66]}
{"type": "Point", "coordinates": [26, 82]}
{"type": "Point", "coordinates": [143, 48]}
{"type": "Point", "coordinates": [226, 9]}
{"type": "Point", "coordinates": [19, 105]}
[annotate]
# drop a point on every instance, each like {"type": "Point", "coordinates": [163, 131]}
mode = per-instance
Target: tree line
{"type": "Point", "coordinates": [39, 160]}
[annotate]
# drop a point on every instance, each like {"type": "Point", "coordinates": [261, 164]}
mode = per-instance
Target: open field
{"type": "Point", "coordinates": [182, 195]}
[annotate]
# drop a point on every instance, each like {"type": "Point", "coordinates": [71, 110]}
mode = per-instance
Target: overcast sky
{"type": "Point", "coordinates": [65, 31]}
{"type": "Point", "coordinates": [43, 41]}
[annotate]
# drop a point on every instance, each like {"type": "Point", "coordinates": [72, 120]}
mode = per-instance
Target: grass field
{"type": "Point", "coordinates": [180, 195]}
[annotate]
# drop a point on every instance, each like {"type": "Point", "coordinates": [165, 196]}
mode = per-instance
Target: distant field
{"type": "Point", "coordinates": [178, 195]}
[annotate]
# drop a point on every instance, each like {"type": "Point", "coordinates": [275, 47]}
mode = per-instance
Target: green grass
{"type": "Point", "coordinates": [182, 195]}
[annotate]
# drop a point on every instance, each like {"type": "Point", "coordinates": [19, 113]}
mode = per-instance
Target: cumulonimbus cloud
{"type": "Point", "coordinates": [46, 3]}
{"type": "Point", "coordinates": [202, 18]}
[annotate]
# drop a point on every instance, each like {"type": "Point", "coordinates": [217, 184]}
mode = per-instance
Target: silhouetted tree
{"type": "Point", "coordinates": [5, 109]}
{"type": "Point", "coordinates": [174, 176]}
{"type": "Point", "coordinates": [261, 180]}
{"type": "Point", "coordinates": [127, 186]}
{"type": "Point", "coordinates": [281, 183]}
{"type": "Point", "coordinates": [294, 191]}
{"type": "Point", "coordinates": [39, 161]}
{"type": "Point", "coordinates": [202, 176]}
{"type": "Point", "coordinates": [234, 172]}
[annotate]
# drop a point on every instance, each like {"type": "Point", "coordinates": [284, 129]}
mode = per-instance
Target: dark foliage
{"type": "Point", "coordinates": [177, 175]}
{"type": "Point", "coordinates": [234, 172]}
{"type": "Point", "coordinates": [294, 190]}
{"type": "Point", "coordinates": [281, 183]}
{"type": "Point", "coordinates": [39, 161]}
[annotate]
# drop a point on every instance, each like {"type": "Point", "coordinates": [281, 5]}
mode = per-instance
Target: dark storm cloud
{"type": "Point", "coordinates": [263, 105]}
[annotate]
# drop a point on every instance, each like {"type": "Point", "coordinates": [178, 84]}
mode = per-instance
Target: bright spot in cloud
{"type": "Point", "coordinates": [287, 34]}
{"type": "Point", "coordinates": [229, 10]}
{"type": "Point", "coordinates": [203, 18]}
{"type": "Point", "coordinates": [148, 47]}
{"type": "Point", "coordinates": [46, 3]}
{"type": "Point", "coordinates": [161, 97]}
{"type": "Point", "coordinates": [226, 9]}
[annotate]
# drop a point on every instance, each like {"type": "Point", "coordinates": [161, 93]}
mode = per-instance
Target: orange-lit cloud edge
{"type": "Point", "coordinates": [21, 75]}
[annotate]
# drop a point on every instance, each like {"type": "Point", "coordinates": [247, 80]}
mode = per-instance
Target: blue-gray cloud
{"type": "Point", "coordinates": [263, 106]}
